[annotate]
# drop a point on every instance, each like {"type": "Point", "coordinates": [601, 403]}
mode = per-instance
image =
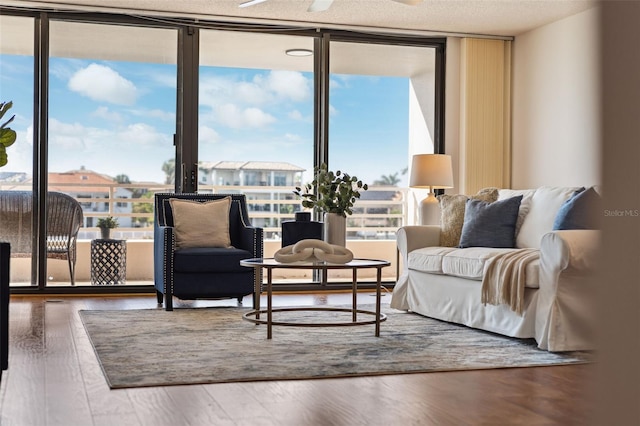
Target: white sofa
{"type": "Point", "coordinates": [445, 282]}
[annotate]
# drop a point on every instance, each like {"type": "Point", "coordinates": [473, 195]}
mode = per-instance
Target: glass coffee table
{"type": "Point", "coordinates": [269, 264]}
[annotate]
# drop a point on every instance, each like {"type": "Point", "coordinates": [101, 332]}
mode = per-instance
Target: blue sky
{"type": "Point", "coordinates": [119, 117]}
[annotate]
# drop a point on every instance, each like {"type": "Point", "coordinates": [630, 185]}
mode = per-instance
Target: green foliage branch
{"type": "Point", "coordinates": [7, 134]}
{"type": "Point", "coordinates": [331, 192]}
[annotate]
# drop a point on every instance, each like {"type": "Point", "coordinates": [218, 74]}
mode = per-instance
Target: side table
{"type": "Point", "coordinates": [108, 262]}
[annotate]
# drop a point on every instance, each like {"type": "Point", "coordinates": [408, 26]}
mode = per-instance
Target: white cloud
{"type": "Point", "coordinates": [295, 115]}
{"type": "Point", "coordinates": [340, 81]}
{"type": "Point", "coordinates": [255, 117]}
{"type": "Point", "coordinates": [104, 113]}
{"type": "Point", "coordinates": [207, 135]}
{"type": "Point", "coordinates": [66, 136]}
{"type": "Point", "coordinates": [233, 116]}
{"type": "Point", "coordinates": [250, 93]}
{"type": "Point", "coordinates": [166, 80]}
{"type": "Point", "coordinates": [215, 90]}
{"type": "Point", "coordinates": [333, 111]}
{"type": "Point", "coordinates": [102, 83]}
{"type": "Point", "coordinates": [236, 103]}
{"type": "Point", "coordinates": [140, 133]}
{"type": "Point", "coordinates": [292, 137]}
{"type": "Point", "coordinates": [137, 150]}
{"type": "Point", "coordinates": [154, 113]}
{"type": "Point", "coordinates": [289, 85]}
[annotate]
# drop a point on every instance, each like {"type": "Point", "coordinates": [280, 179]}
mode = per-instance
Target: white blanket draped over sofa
{"type": "Point", "coordinates": [553, 299]}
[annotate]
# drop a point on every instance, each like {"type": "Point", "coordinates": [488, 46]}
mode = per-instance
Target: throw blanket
{"type": "Point", "coordinates": [503, 280]}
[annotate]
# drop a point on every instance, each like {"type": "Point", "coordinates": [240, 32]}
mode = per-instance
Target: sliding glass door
{"type": "Point", "coordinates": [130, 106]}
{"type": "Point", "coordinates": [16, 177]}
{"type": "Point", "coordinates": [382, 103]}
{"type": "Point", "coordinates": [256, 129]}
{"type": "Point", "coordinates": [112, 100]}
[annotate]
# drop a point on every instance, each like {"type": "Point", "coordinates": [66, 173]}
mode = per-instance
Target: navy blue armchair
{"type": "Point", "coordinates": [205, 272]}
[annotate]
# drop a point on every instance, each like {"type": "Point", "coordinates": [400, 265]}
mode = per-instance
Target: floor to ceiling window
{"type": "Point", "coordinates": [381, 112]}
{"type": "Point", "coordinates": [111, 125]}
{"type": "Point", "coordinates": [16, 86]}
{"type": "Point", "coordinates": [256, 128]}
{"type": "Point", "coordinates": [120, 123]}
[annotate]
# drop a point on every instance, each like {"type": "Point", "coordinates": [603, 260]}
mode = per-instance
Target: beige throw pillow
{"type": "Point", "coordinates": [201, 224]}
{"type": "Point", "coordinates": [452, 209]}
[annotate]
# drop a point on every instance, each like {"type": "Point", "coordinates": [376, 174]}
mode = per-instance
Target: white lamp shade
{"type": "Point", "coordinates": [433, 171]}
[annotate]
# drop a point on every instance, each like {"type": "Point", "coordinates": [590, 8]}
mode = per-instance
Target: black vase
{"type": "Point", "coordinates": [302, 228]}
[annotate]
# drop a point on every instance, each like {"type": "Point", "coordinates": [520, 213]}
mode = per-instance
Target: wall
{"type": "Point", "coordinates": [555, 139]}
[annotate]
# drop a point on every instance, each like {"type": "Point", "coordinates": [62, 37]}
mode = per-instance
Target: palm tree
{"type": "Point", "coordinates": [169, 169]}
{"type": "Point", "coordinates": [388, 180]}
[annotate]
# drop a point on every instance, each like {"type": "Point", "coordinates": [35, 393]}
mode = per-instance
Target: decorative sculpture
{"type": "Point", "coordinates": [312, 250]}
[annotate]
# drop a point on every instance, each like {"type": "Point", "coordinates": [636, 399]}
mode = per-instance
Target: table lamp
{"type": "Point", "coordinates": [431, 171]}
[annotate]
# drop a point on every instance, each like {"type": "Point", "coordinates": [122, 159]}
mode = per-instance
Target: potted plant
{"type": "Point", "coordinates": [106, 224]}
{"type": "Point", "coordinates": [333, 195]}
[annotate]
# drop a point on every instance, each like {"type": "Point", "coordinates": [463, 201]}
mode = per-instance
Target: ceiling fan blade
{"type": "Point", "coordinates": [319, 5]}
{"type": "Point", "coordinates": [250, 3]}
{"type": "Point", "coordinates": [409, 2]}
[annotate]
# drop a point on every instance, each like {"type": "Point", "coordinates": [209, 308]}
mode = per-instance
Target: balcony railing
{"type": "Point", "coordinates": [268, 207]}
{"type": "Point", "coordinates": [371, 229]}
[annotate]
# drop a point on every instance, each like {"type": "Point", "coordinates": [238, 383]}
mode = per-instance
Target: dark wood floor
{"type": "Point", "coordinates": [55, 379]}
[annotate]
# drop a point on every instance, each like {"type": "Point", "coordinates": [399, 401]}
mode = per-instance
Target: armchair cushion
{"type": "Point", "coordinates": [210, 259]}
{"type": "Point", "coordinates": [201, 224]}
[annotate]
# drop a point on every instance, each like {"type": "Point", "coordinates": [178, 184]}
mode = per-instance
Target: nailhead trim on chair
{"type": "Point", "coordinates": [257, 251]}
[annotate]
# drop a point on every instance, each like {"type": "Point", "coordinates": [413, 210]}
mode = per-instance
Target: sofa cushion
{"type": "Point", "coordinates": [545, 204]}
{"type": "Point", "coordinates": [428, 259]}
{"type": "Point", "coordinates": [471, 263]}
{"type": "Point", "coordinates": [580, 211]}
{"type": "Point", "coordinates": [465, 263]}
{"type": "Point", "coordinates": [490, 224]}
{"type": "Point", "coordinates": [452, 209]}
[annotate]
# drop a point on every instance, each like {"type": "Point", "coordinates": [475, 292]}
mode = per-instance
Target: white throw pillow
{"type": "Point", "coordinates": [545, 203]}
{"type": "Point", "coordinates": [525, 204]}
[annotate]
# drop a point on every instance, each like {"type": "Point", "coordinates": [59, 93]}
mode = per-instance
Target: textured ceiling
{"type": "Point", "coordinates": [476, 17]}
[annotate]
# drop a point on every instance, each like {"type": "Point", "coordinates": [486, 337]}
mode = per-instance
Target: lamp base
{"type": "Point", "coordinates": [430, 210]}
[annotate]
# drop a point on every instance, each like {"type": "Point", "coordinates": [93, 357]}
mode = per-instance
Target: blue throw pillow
{"type": "Point", "coordinates": [579, 212]}
{"type": "Point", "coordinates": [490, 224]}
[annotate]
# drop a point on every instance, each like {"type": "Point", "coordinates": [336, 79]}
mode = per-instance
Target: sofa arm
{"type": "Point", "coordinates": [408, 239]}
{"type": "Point", "coordinates": [574, 249]}
{"type": "Point", "coordinates": [565, 312]}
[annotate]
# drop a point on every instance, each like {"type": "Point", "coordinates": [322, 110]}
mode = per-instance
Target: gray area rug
{"type": "Point", "coordinates": [152, 347]}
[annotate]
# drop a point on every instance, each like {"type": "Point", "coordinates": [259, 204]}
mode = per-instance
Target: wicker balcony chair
{"type": "Point", "coordinates": [64, 219]}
